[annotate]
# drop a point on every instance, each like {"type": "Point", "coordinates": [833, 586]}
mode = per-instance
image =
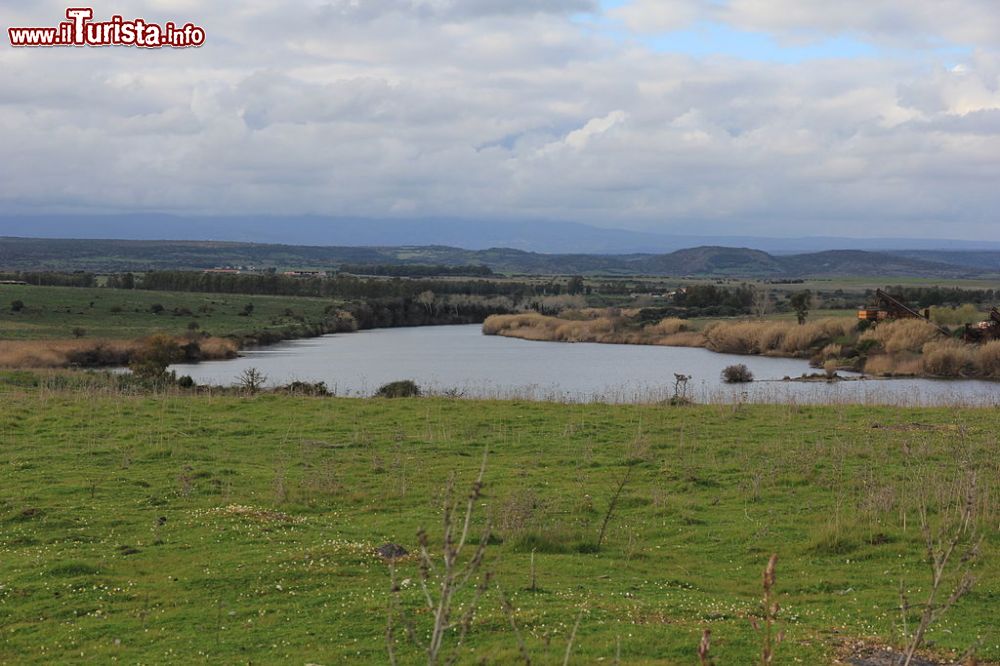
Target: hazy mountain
{"type": "Point", "coordinates": [534, 236]}
{"type": "Point", "coordinates": [987, 261]}
{"type": "Point", "coordinates": [121, 255]}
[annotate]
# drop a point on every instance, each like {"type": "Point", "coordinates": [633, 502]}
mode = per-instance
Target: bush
{"type": "Point", "coordinates": [157, 352]}
{"type": "Point", "coordinates": [99, 354]}
{"type": "Point", "coordinates": [668, 326]}
{"type": "Point", "coordinates": [406, 388]}
{"type": "Point", "coordinates": [948, 358]}
{"type": "Point", "coordinates": [988, 359]}
{"type": "Point", "coordinates": [16, 306]}
{"type": "Point", "coordinates": [737, 374]}
{"type": "Point", "coordinates": [306, 388]}
{"type": "Point", "coordinates": [185, 382]}
{"type": "Point", "coordinates": [966, 314]}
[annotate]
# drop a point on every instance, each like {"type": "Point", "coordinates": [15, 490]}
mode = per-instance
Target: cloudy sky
{"type": "Point", "coordinates": [758, 117]}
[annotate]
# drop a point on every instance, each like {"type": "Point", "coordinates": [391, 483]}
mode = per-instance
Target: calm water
{"type": "Point", "coordinates": [443, 358]}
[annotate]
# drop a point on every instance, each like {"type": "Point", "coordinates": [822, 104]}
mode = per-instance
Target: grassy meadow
{"type": "Point", "coordinates": [52, 313]}
{"type": "Point", "coordinates": [173, 528]}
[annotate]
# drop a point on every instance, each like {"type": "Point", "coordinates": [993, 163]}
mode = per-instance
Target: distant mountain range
{"type": "Point", "coordinates": [551, 237]}
{"type": "Point", "coordinates": [715, 261]}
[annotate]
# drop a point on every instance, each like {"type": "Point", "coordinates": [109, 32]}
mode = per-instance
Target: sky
{"type": "Point", "coordinates": [755, 117]}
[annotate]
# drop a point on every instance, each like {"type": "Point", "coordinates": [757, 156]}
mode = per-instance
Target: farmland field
{"type": "Point", "coordinates": [53, 312]}
{"type": "Point", "coordinates": [176, 528]}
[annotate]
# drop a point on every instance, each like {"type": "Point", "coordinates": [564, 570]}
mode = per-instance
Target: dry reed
{"type": "Point", "coordinates": [94, 353]}
{"type": "Point", "coordinates": [902, 335]}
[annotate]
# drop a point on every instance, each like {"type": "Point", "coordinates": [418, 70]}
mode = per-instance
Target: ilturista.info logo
{"type": "Point", "coordinates": [80, 29]}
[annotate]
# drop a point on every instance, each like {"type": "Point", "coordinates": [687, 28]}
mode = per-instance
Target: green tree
{"type": "Point", "coordinates": [575, 285]}
{"type": "Point", "coordinates": [157, 352]}
{"type": "Point", "coordinates": [801, 301]}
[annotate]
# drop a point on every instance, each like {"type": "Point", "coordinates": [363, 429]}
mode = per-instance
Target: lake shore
{"type": "Point", "coordinates": [903, 348]}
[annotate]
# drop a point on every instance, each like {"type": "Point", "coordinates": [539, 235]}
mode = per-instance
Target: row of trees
{"type": "Point", "coordinates": [341, 286]}
{"type": "Point", "coordinates": [927, 296]}
{"type": "Point", "coordinates": [51, 278]}
{"type": "Point", "coordinates": [416, 270]}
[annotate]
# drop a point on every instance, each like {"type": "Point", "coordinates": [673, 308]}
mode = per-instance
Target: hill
{"type": "Point", "coordinates": [547, 236]}
{"type": "Point", "coordinates": [28, 254]}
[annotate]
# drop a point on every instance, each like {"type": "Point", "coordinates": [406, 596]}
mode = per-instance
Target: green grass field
{"type": "Point", "coordinates": [53, 312]}
{"type": "Point", "coordinates": [226, 529]}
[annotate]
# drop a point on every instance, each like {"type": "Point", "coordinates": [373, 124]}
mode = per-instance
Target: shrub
{"type": "Point", "coordinates": [831, 351]}
{"type": "Point", "coordinates": [965, 314]}
{"type": "Point", "coordinates": [948, 358]}
{"type": "Point", "coordinates": [216, 348]}
{"type": "Point", "coordinates": [306, 388]}
{"type": "Point", "coordinates": [737, 374]}
{"type": "Point", "coordinates": [668, 326]}
{"type": "Point", "coordinates": [903, 364]}
{"type": "Point", "coordinates": [17, 305]}
{"type": "Point", "coordinates": [803, 337]}
{"type": "Point", "coordinates": [99, 354]}
{"type": "Point", "coordinates": [988, 359]}
{"type": "Point", "coordinates": [405, 388]}
{"type": "Point", "coordinates": [733, 338]}
{"type": "Point", "coordinates": [185, 382]}
{"type": "Point", "coordinates": [157, 352]}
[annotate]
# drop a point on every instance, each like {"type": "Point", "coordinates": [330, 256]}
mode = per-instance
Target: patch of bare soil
{"type": "Point", "coordinates": [874, 656]}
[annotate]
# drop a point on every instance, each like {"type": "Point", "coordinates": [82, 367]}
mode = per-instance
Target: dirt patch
{"type": "Point", "coordinates": [862, 654]}
{"type": "Point", "coordinates": [913, 427]}
{"type": "Point", "coordinates": [881, 657]}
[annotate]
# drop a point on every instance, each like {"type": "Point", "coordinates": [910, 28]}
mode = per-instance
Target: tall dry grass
{"type": "Point", "coordinates": [907, 347]}
{"type": "Point", "coordinates": [737, 337]}
{"type": "Point", "coordinates": [58, 353]}
{"type": "Point", "coordinates": [988, 359]}
{"type": "Point", "coordinates": [949, 358]}
{"type": "Point", "coordinates": [96, 353]}
{"type": "Point", "coordinates": [607, 328]}
{"type": "Point", "coordinates": [943, 357]}
{"type": "Point", "coordinates": [777, 337]}
{"type": "Point", "coordinates": [902, 335]}
{"type": "Point", "coordinates": [215, 348]}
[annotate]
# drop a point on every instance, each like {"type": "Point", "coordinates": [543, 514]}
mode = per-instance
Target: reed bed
{"type": "Point", "coordinates": [907, 347]}
{"type": "Point", "coordinates": [784, 338]}
{"type": "Point", "coordinates": [733, 337]}
{"type": "Point", "coordinates": [590, 328]}
{"type": "Point", "coordinates": [97, 352]}
{"type": "Point", "coordinates": [909, 335]}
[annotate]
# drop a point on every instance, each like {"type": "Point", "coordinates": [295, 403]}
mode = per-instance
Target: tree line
{"type": "Point", "coordinates": [416, 270]}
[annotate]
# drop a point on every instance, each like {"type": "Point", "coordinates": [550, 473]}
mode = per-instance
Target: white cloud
{"type": "Point", "coordinates": [511, 110]}
{"type": "Point", "coordinates": [660, 16]}
{"type": "Point", "coordinates": [910, 23]}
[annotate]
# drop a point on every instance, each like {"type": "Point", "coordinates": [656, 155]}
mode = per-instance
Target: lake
{"type": "Point", "coordinates": [463, 360]}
